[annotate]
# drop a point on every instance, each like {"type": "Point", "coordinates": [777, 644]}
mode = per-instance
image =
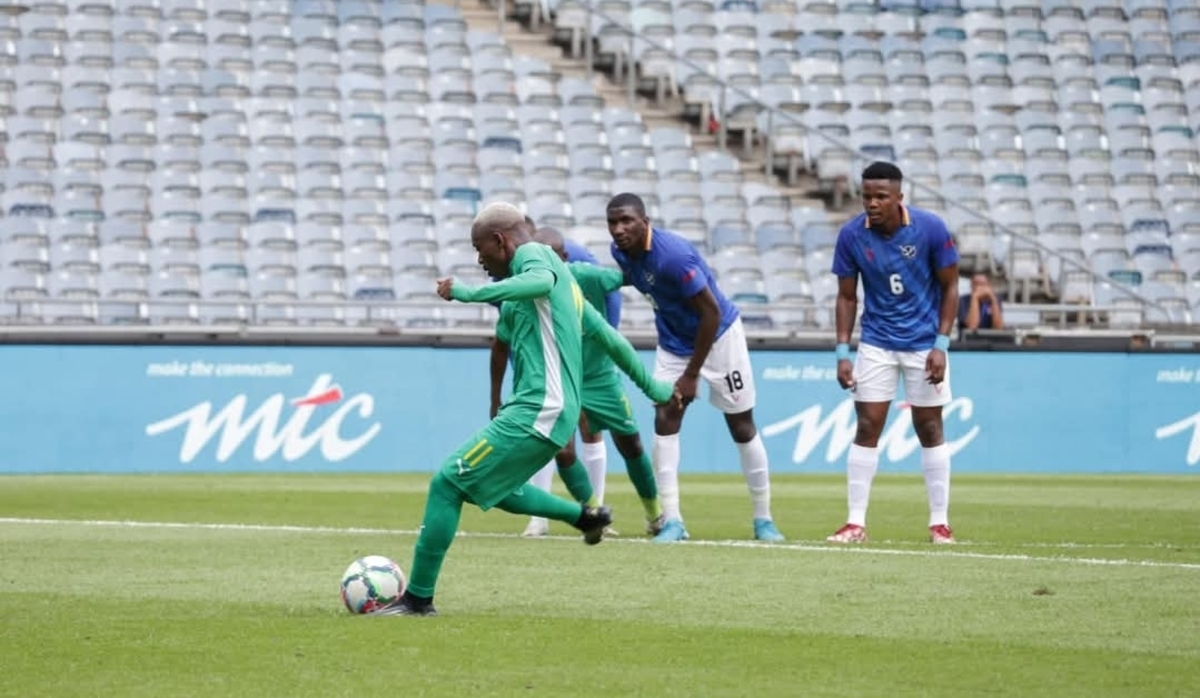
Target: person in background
{"type": "Point", "coordinates": [981, 310]}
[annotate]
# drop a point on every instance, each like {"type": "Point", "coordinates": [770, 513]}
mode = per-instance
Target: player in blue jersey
{"type": "Point", "coordinates": [593, 453]}
{"type": "Point", "coordinates": [699, 336]}
{"type": "Point", "coordinates": [909, 269]}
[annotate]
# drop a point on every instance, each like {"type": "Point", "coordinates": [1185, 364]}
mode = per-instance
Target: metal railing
{"type": "Point", "coordinates": [774, 116]}
{"type": "Point", "coordinates": [416, 322]}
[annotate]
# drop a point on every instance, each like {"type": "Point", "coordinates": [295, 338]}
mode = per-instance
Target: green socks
{"type": "Point", "coordinates": [641, 474]}
{"type": "Point", "coordinates": [443, 509]}
{"type": "Point", "coordinates": [575, 477]}
{"type": "Point", "coordinates": [532, 501]}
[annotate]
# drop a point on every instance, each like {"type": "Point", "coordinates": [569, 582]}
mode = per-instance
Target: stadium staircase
{"type": "Point", "coordinates": [526, 40]}
{"type": "Point", "coordinates": [538, 43]}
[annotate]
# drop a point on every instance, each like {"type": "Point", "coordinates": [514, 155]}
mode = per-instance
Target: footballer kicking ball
{"type": "Point", "coordinates": [370, 583]}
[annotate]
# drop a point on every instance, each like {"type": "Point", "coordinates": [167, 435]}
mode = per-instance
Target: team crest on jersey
{"type": "Point", "coordinates": [909, 251]}
{"type": "Point", "coordinates": [649, 278]}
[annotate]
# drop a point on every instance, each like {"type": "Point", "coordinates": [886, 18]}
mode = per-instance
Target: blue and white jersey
{"type": "Point", "coordinates": [902, 297]}
{"type": "Point", "coordinates": [671, 272]}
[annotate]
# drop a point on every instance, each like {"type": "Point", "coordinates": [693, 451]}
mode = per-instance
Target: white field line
{"type": "Point", "coordinates": [950, 551]}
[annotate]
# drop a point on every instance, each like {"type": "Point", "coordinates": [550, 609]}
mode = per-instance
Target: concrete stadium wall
{"type": "Point", "coordinates": [126, 409]}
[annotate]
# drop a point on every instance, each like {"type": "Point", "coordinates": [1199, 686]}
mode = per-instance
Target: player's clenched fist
{"type": "Point", "coordinates": [845, 374]}
{"type": "Point", "coordinates": [444, 286]}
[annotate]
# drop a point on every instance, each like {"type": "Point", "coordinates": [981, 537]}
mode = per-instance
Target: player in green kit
{"type": "Point", "coordinates": [605, 405]}
{"type": "Point", "coordinates": [544, 325]}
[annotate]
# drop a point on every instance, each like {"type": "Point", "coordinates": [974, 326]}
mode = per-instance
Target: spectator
{"type": "Point", "coordinates": [981, 309]}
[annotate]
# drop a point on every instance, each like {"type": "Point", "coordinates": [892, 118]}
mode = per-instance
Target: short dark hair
{"type": "Point", "coordinates": [626, 199]}
{"type": "Point", "coordinates": [529, 221]}
{"type": "Point", "coordinates": [883, 170]}
{"type": "Point", "coordinates": [550, 236]}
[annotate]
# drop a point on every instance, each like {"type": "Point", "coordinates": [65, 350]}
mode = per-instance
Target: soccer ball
{"type": "Point", "coordinates": [370, 583]}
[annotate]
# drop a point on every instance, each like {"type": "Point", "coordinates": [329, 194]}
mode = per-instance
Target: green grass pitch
{"type": "Point", "coordinates": [166, 586]}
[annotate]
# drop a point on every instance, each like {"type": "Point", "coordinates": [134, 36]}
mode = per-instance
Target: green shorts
{"type": "Point", "coordinates": [496, 461]}
{"type": "Point", "coordinates": [607, 409]}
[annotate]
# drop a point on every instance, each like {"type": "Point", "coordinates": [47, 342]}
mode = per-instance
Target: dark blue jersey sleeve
{"type": "Point", "coordinates": [844, 264]}
{"type": "Point", "coordinates": [942, 250]}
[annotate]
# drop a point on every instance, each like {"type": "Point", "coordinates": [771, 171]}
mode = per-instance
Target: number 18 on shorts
{"type": "Point", "coordinates": [728, 371]}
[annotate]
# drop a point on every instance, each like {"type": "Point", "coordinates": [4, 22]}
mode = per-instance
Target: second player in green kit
{"type": "Point", "coordinates": [544, 317]}
{"type": "Point", "coordinates": [605, 405]}
{"type": "Point", "coordinates": [604, 402]}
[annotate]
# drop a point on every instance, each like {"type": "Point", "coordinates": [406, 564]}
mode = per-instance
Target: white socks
{"type": "Point", "coordinates": [861, 464]}
{"type": "Point", "coordinates": [595, 461]}
{"type": "Point", "coordinates": [753, 453]}
{"type": "Point", "coordinates": [544, 478]}
{"type": "Point", "coordinates": [860, 471]}
{"type": "Point", "coordinates": [935, 462]}
{"type": "Point", "coordinates": [665, 455]}
{"type": "Point", "coordinates": [758, 479]}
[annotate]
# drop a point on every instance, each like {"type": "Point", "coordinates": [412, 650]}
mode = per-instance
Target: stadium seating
{"type": "Point", "coordinates": [207, 155]}
{"type": "Point", "coordinates": [1061, 120]}
{"type": "Point", "coordinates": [215, 154]}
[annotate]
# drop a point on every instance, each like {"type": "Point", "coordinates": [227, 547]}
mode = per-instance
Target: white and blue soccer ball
{"type": "Point", "coordinates": [370, 583]}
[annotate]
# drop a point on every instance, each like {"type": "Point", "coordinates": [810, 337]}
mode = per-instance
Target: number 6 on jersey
{"type": "Point", "coordinates": [897, 285]}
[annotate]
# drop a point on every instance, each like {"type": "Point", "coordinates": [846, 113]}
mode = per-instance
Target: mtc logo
{"type": "Point", "coordinates": [272, 434]}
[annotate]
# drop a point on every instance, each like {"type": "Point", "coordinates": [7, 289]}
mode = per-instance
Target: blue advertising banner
{"type": "Point", "coordinates": [295, 409]}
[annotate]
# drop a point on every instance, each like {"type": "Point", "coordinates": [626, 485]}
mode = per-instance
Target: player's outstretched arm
{"type": "Point", "coordinates": [499, 365]}
{"type": "Point", "coordinates": [596, 329]}
{"type": "Point", "coordinates": [534, 283]}
{"type": "Point", "coordinates": [611, 279]}
{"type": "Point", "coordinates": [606, 279]}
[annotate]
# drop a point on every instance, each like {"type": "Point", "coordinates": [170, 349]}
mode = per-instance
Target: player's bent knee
{"type": "Point", "coordinates": [741, 426]}
{"type": "Point", "coordinates": [566, 457]}
{"type": "Point", "coordinates": [667, 420]}
{"type": "Point", "coordinates": [591, 438]}
{"type": "Point", "coordinates": [441, 489]}
{"type": "Point", "coordinates": [628, 445]}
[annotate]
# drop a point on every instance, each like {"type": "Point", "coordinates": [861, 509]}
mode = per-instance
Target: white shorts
{"type": "Point", "coordinates": [878, 371]}
{"type": "Point", "coordinates": [727, 370]}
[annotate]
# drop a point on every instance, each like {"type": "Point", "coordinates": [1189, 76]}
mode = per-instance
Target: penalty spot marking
{"type": "Point", "coordinates": [947, 551]}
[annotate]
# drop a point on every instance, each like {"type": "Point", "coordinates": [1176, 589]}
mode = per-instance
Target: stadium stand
{"type": "Point", "coordinates": [316, 163]}
{"type": "Point", "coordinates": [1070, 126]}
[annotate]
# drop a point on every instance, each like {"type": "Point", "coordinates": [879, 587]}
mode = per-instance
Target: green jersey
{"type": "Point", "coordinates": [545, 339]}
{"type": "Point", "coordinates": [596, 283]}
